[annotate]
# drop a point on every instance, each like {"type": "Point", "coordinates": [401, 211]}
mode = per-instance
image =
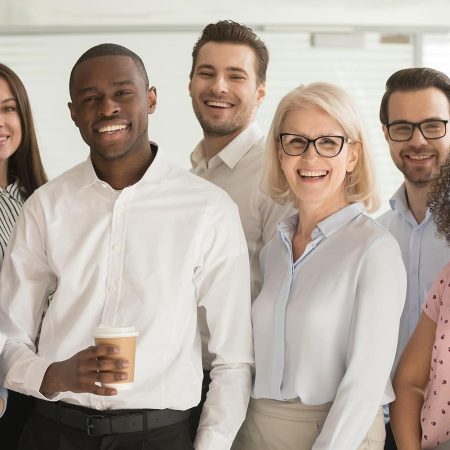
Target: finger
{"type": "Point", "coordinates": [104, 365]}
{"type": "Point", "coordinates": [102, 350]}
{"type": "Point", "coordinates": [107, 377]}
{"type": "Point", "coordinates": [100, 390]}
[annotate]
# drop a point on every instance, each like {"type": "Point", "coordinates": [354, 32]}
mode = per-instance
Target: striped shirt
{"type": "Point", "coordinates": [11, 202]}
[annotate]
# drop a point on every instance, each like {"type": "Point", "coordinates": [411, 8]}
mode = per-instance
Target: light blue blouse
{"type": "Point", "coordinates": [326, 326]}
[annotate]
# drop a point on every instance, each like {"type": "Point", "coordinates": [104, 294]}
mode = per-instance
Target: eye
{"type": "Point", "coordinates": [237, 77]}
{"type": "Point", "coordinates": [90, 99]}
{"type": "Point", "coordinates": [123, 93]}
{"type": "Point", "coordinates": [328, 140]}
{"type": "Point", "coordinates": [9, 108]}
{"type": "Point", "coordinates": [205, 74]}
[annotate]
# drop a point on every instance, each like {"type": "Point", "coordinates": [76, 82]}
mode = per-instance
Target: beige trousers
{"type": "Point", "coordinates": [291, 425]}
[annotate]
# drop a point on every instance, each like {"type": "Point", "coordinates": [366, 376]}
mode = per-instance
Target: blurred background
{"type": "Point", "coordinates": [355, 44]}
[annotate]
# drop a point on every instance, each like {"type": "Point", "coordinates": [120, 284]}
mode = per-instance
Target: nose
{"type": "Point", "coordinates": [108, 107]}
{"type": "Point", "coordinates": [417, 139]}
{"type": "Point", "coordinates": [310, 152]}
{"type": "Point", "coordinates": [220, 85]}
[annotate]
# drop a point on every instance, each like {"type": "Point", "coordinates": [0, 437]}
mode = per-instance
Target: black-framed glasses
{"type": "Point", "coordinates": [326, 146]}
{"type": "Point", "coordinates": [430, 129]}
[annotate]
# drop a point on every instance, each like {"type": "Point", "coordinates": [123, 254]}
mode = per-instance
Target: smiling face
{"type": "Point", "coordinates": [10, 126]}
{"type": "Point", "coordinates": [317, 182]}
{"type": "Point", "coordinates": [110, 106]}
{"type": "Point", "coordinates": [418, 159]}
{"type": "Point", "coordinates": [224, 88]}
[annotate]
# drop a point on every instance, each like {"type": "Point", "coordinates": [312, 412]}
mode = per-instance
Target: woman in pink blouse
{"type": "Point", "coordinates": [420, 416]}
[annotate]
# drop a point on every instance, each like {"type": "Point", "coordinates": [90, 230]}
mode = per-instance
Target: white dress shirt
{"type": "Point", "coordinates": [238, 170]}
{"type": "Point", "coordinates": [325, 326]}
{"type": "Point", "coordinates": [424, 253]}
{"type": "Point", "coordinates": [146, 256]}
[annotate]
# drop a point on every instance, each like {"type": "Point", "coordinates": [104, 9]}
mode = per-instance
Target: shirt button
{"type": "Point", "coordinates": [104, 185]}
{"type": "Point", "coordinates": [112, 289]}
{"type": "Point", "coordinates": [116, 248]}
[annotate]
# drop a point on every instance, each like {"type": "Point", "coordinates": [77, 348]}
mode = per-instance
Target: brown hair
{"type": "Point", "coordinates": [439, 201]}
{"type": "Point", "coordinates": [235, 33]}
{"type": "Point", "coordinates": [25, 163]}
{"type": "Point", "coordinates": [413, 79]}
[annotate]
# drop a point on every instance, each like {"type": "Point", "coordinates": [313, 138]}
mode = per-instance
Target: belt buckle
{"type": "Point", "coordinates": [90, 427]}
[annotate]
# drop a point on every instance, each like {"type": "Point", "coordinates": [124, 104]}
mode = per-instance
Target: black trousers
{"type": "Point", "coordinates": [389, 444]}
{"type": "Point", "coordinates": [18, 411]}
{"type": "Point", "coordinates": [196, 412]}
{"type": "Point", "coordinates": [41, 433]}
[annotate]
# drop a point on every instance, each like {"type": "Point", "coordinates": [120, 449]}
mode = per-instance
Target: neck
{"type": "Point", "coordinates": [120, 173]}
{"type": "Point", "coordinates": [417, 196]}
{"type": "Point", "coordinates": [213, 144]}
{"type": "Point", "coordinates": [3, 173]}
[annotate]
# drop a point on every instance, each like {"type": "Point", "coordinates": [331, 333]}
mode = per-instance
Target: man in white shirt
{"type": "Point", "coordinates": [414, 112]}
{"type": "Point", "coordinates": [108, 239]}
{"type": "Point", "coordinates": [227, 85]}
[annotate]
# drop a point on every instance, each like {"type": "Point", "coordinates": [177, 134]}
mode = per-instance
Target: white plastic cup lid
{"type": "Point", "coordinates": [111, 332]}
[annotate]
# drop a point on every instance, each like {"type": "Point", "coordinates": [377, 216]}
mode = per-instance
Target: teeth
{"type": "Point", "coordinates": [219, 104]}
{"type": "Point", "coordinates": [3, 138]}
{"type": "Point", "coordinates": [111, 128]}
{"type": "Point", "coordinates": [313, 173]}
{"type": "Point", "coordinates": [419, 157]}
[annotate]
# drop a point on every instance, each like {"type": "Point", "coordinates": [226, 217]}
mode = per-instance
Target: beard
{"type": "Point", "coordinates": [219, 128]}
{"type": "Point", "coordinates": [416, 174]}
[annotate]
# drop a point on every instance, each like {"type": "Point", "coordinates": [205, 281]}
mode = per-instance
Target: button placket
{"type": "Point", "coordinates": [115, 257]}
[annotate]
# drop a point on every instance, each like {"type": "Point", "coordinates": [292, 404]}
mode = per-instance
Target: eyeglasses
{"type": "Point", "coordinates": [430, 129]}
{"type": "Point", "coordinates": [326, 146]}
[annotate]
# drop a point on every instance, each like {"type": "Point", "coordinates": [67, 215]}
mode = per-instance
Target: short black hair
{"type": "Point", "coordinates": [109, 49]}
{"type": "Point", "coordinates": [228, 31]}
{"type": "Point", "coordinates": [413, 79]}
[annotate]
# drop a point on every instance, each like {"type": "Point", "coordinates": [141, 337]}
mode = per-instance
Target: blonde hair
{"type": "Point", "coordinates": [360, 183]}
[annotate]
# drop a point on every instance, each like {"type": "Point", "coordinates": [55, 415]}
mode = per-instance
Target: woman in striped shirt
{"type": "Point", "coordinates": [21, 173]}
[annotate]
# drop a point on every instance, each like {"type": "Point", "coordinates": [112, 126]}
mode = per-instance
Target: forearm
{"type": "Point", "coordinates": [225, 407]}
{"type": "Point", "coordinates": [405, 417]}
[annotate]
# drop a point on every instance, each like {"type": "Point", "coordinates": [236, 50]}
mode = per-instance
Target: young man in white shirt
{"type": "Point", "coordinates": [104, 239]}
{"type": "Point", "coordinates": [414, 112]}
{"type": "Point", "coordinates": [227, 85]}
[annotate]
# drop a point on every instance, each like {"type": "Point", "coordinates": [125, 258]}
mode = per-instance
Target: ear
{"type": "Point", "coordinates": [190, 88]}
{"type": "Point", "coordinates": [72, 113]}
{"type": "Point", "coordinates": [151, 100]}
{"type": "Point", "coordinates": [385, 132]}
{"type": "Point", "coordinates": [353, 155]}
{"type": "Point", "coordinates": [260, 93]}
{"type": "Point", "coordinates": [280, 154]}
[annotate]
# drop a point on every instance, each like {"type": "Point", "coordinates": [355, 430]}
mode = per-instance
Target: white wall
{"type": "Point", "coordinates": [414, 13]}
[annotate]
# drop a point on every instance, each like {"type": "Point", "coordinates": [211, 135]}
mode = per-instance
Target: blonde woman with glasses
{"type": "Point", "coordinates": [326, 321]}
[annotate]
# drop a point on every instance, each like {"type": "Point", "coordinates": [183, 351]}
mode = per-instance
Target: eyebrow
{"type": "Point", "coordinates": [395, 122]}
{"type": "Point", "coordinates": [10, 99]}
{"type": "Point", "coordinates": [228, 69]}
{"type": "Point", "coordinates": [94, 89]}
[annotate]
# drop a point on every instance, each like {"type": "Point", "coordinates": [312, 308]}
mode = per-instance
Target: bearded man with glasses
{"type": "Point", "coordinates": [414, 113]}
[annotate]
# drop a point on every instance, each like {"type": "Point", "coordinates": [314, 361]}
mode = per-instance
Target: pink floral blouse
{"type": "Point", "coordinates": [435, 417]}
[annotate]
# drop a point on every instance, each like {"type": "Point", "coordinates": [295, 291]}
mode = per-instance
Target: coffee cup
{"type": "Point", "coordinates": [125, 338]}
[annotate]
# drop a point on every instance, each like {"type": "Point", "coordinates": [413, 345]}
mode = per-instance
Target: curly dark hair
{"type": "Point", "coordinates": [439, 201]}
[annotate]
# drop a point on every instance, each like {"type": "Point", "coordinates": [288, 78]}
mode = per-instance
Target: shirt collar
{"type": "Point", "coordinates": [153, 174]}
{"type": "Point", "coordinates": [398, 202]}
{"type": "Point", "coordinates": [12, 190]}
{"type": "Point", "coordinates": [326, 227]}
{"type": "Point", "coordinates": [233, 152]}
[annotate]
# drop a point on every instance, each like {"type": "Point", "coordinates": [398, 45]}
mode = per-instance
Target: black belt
{"type": "Point", "coordinates": [111, 421]}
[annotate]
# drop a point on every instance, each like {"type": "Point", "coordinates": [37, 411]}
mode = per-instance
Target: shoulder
{"type": "Point", "coordinates": [195, 188]}
{"type": "Point", "coordinates": [367, 231]}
